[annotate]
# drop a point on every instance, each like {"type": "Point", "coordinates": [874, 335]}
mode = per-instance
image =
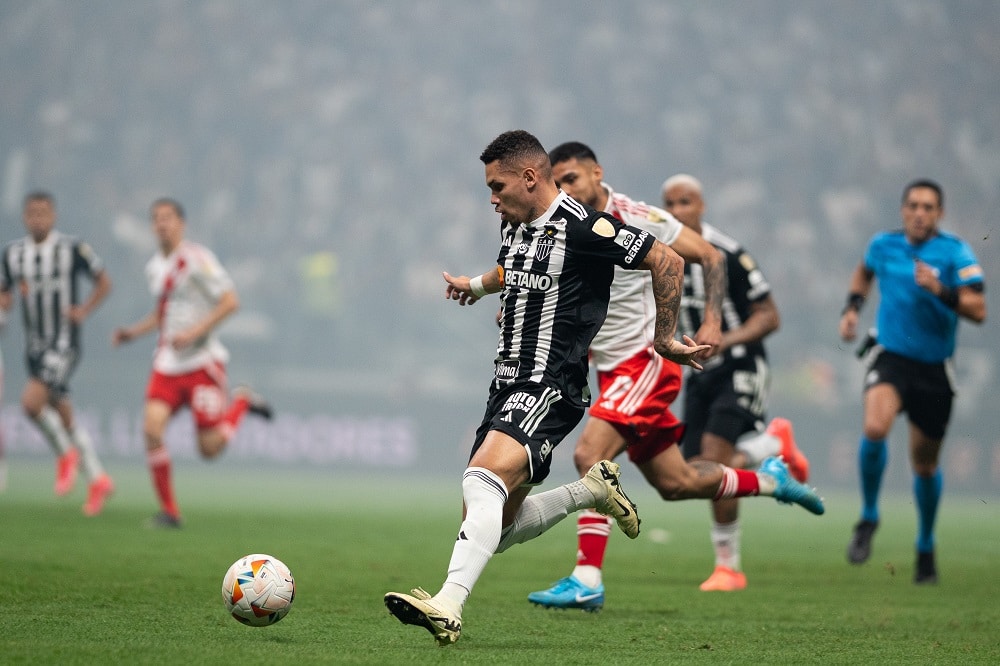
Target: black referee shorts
{"type": "Point", "coordinates": [926, 389]}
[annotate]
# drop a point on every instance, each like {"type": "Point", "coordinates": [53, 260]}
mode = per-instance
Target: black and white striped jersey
{"type": "Point", "coordinates": [557, 273]}
{"type": "Point", "coordinates": [747, 285]}
{"type": "Point", "coordinates": [46, 277]}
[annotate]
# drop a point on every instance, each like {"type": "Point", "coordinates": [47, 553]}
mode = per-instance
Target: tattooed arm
{"type": "Point", "coordinates": [667, 271]}
{"type": "Point", "coordinates": [696, 250]}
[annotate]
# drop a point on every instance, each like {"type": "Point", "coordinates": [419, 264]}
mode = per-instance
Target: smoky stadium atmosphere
{"type": "Point", "coordinates": [236, 234]}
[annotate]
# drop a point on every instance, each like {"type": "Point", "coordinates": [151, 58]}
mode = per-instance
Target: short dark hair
{"type": "Point", "coordinates": [167, 201]}
{"type": "Point", "coordinates": [929, 184]}
{"type": "Point", "coordinates": [571, 150]}
{"type": "Point", "coordinates": [514, 146]}
{"type": "Point", "coordinates": [39, 195]}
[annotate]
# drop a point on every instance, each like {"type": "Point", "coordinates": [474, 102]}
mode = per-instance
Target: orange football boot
{"type": "Point", "coordinates": [797, 462]}
{"type": "Point", "coordinates": [66, 466]}
{"type": "Point", "coordinates": [724, 579]}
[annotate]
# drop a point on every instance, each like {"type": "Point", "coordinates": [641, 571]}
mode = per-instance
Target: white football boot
{"type": "Point", "coordinates": [422, 610]}
{"type": "Point", "coordinates": [602, 480]}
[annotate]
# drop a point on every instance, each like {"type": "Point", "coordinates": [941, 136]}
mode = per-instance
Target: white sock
{"type": "Point", "coordinates": [759, 447]}
{"type": "Point", "coordinates": [541, 511]}
{"type": "Point", "coordinates": [92, 467]}
{"type": "Point", "coordinates": [766, 484]}
{"type": "Point", "coordinates": [588, 574]}
{"type": "Point", "coordinates": [51, 425]}
{"type": "Point", "coordinates": [484, 494]}
{"type": "Point", "coordinates": [726, 541]}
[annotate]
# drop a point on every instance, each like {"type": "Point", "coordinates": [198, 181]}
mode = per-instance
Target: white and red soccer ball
{"type": "Point", "coordinates": [258, 590]}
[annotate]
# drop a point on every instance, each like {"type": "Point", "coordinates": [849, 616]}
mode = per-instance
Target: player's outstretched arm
{"type": "Point", "coordinates": [696, 250]}
{"type": "Point", "coordinates": [684, 353]}
{"type": "Point", "coordinates": [124, 334]}
{"type": "Point", "coordinates": [666, 269]}
{"type": "Point", "coordinates": [468, 290]}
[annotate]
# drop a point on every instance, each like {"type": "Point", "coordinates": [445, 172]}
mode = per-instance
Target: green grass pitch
{"type": "Point", "coordinates": [107, 590]}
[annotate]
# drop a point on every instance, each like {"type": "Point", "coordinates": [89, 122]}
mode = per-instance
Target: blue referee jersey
{"type": "Point", "coordinates": [911, 321]}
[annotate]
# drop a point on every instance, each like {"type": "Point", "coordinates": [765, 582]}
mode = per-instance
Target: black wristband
{"type": "Point", "coordinates": [854, 302]}
{"type": "Point", "coordinates": [949, 297]}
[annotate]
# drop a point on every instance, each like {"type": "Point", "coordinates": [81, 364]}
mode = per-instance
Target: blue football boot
{"type": "Point", "coordinates": [570, 593]}
{"type": "Point", "coordinates": [790, 491]}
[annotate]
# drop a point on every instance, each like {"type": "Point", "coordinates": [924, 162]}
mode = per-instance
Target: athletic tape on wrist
{"type": "Point", "coordinates": [476, 286]}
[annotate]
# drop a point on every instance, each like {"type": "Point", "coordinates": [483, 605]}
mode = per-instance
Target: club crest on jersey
{"type": "Point", "coordinates": [543, 248]}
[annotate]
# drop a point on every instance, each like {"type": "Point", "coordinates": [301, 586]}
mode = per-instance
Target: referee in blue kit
{"type": "Point", "coordinates": [927, 279]}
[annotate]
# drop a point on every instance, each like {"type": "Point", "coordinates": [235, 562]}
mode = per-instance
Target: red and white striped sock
{"type": "Point", "coordinates": [737, 483]}
{"type": "Point", "coordinates": [592, 533]}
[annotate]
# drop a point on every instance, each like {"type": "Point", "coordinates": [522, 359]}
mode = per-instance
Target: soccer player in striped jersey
{"type": "Point", "coordinates": [194, 294]}
{"type": "Point", "coordinates": [727, 401]}
{"type": "Point", "coordinates": [928, 279]}
{"type": "Point", "coordinates": [553, 274]}
{"type": "Point", "coordinates": [45, 268]}
{"type": "Point", "coordinates": [637, 386]}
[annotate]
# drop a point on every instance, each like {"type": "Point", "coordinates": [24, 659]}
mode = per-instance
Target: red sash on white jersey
{"type": "Point", "coordinates": [168, 288]}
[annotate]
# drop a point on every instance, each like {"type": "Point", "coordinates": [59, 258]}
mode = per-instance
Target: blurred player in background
{"type": "Point", "coordinates": [194, 294]}
{"type": "Point", "coordinates": [554, 273]}
{"type": "Point", "coordinates": [44, 268]}
{"type": "Point", "coordinates": [637, 386]}
{"type": "Point", "coordinates": [927, 279]}
{"type": "Point", "coordinates": [725, 405]}
{"type": "Point", "coordinates": [3, 452]}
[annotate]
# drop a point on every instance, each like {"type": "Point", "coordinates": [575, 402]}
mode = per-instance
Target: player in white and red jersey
{"type": "Point", "coordinates": [637, 386]}
{"type": "Point", "coordinates": [194, 294]}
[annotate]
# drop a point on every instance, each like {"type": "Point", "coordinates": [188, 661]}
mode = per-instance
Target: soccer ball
{"type": "Point", "coordinates": [258, 590]}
